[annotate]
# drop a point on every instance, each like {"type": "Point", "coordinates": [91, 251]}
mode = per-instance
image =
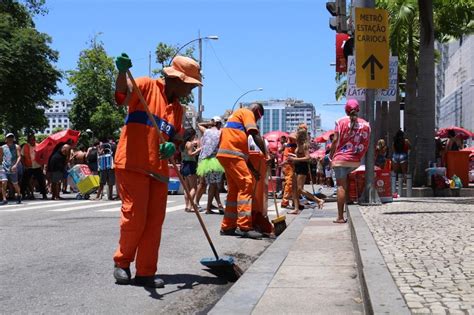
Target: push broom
{"type": "Point", "coordinates": [224, 265]}
{"type": "Point", "coordinates": [279, 223]}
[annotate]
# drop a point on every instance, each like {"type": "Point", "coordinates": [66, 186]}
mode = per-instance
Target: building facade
{"type": "Point", "coordinates": [190, 117]}
{"type": "Point", "coordinates": [455, 84]}
{"type": "Point", "coordinates": [287, 115]}
{"type": "Point", "coordinates": [58, 115]}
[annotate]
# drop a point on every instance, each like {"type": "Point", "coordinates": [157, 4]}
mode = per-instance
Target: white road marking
{"type": "Point", "coordinates": [90, 205]}
{"type": "Point", "coordinates": [41, 206]}
{"type": "Point", "coordinates": [28, 203]}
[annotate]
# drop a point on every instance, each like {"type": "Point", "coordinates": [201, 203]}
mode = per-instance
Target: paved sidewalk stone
{"type": "Point", "coordinates": [428, 247]}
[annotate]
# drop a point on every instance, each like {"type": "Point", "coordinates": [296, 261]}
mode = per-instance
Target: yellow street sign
{"type": "Point", "coordinates": [372, 49]}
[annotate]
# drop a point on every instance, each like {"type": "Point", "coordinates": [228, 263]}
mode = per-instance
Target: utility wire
{"type": "Point", "coordinates": [223, 68]}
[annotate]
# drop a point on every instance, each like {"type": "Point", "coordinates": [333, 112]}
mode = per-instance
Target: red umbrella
{"type": "Point", "coordinates": [46, 147]}
{"type": "Point", "coordinates": [324, 137]}
{"type": "Point", "coordinates": [318, 154]}
{"type": "Point", "coordinates": [275, 135]}
{"type": "Point", "coordinates": [273, 138]}
{"type": "Point", "coordinates": [460, 132]}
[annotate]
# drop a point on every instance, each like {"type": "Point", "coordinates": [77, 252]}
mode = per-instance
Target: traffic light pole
{"type": "Point", "coordinates": [370, 195]}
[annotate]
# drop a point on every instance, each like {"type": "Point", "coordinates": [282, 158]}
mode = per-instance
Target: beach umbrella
{"type": "Point", "coordinates": [44, 150]}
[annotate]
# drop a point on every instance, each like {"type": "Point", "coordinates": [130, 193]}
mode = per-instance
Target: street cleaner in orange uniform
{"type": "Point", "coordinates": [260, 161]}
{"type": "Point", "coordinates": [141, 165]}
{"type": "Point", "coordinates": [233, 155]}
{"type": "Point", "coordinates": [289, 173]}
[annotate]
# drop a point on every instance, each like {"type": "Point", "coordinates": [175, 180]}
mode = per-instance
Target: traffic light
{"type": "Point", "coordinates": [338, 21]}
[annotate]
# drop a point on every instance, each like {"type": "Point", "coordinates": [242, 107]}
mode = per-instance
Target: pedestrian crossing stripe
{"type": "Point", "coordinates": [42, 205]}
{"type": "Point", "coordinates": [113, 203]}
{"type": "Point", "coordinates": [105, 206]}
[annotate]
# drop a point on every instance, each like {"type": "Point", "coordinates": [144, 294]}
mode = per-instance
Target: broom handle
{"type": "Point", "coordinates": [181, 179]}
{"type": "Point", "coordinates": [269, 170]}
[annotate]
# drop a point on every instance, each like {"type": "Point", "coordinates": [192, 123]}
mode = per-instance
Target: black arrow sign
{"type": "Point", "coordinates": [372, 61]}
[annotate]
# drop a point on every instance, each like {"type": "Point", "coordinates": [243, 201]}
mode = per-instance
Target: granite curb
{"type": "Point", "coordinates": [245, 294]}
{"type": "Point", "coordinates": [379, 291]}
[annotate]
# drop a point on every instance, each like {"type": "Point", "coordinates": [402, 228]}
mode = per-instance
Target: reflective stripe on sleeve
{"type": "Point", "coordinates": [250, 126]}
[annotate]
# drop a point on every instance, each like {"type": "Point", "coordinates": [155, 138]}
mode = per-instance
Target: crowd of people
{"type": "Point", "coordinates": [21, 174]}
{"type": "Point", "coordinates": [230, 156]}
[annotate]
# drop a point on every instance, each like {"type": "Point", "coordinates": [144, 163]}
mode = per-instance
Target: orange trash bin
{"type": "Point", "coordinates": [458, 164]}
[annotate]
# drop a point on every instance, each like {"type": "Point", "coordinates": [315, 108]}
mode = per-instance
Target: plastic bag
{"type": "Point", "coordinates": [457, 181]}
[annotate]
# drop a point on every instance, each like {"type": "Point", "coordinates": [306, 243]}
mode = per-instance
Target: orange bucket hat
{"type": "Point", "coordinates": [184, 68]}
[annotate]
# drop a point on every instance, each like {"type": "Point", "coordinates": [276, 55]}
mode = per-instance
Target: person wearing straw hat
{"type": "Point", "coordinates": [140, 156]}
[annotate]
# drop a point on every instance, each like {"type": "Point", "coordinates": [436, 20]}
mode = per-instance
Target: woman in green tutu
{"type": "Point", "coordinates": [209, 167]}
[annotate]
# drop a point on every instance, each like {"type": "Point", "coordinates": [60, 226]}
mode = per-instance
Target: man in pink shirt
{"type": "Point", "coordinates": [350, 143]}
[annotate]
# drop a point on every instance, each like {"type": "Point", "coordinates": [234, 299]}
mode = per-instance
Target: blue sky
{"type": "Point", "coordinates": [284, 47]}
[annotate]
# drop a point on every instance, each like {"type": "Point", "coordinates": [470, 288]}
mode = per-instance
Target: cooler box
{"type": "Point", "coordinates": [88, 184]}
{"type": "Point", "coordinates": [174, 186]}
{"type": "Point", "coordinates": [458, 164]}
{"type": "Point", "coordinates": [382, 184]}
{"type": "Point", "coordinates": [79, 172]}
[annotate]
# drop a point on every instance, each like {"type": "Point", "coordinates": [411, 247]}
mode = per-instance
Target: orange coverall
{"type": "Point", "coordinates": [144, 198]}
{"type": "Point", "coordinates": [288, 171]}
{"type": "Point", "coordinates": [233, 155]}
{"type": "Point", "coordinates": [260, 187]}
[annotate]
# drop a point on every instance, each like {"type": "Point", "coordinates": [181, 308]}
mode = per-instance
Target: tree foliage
{"type": "Point", "coordinates": [27, 74]}
{"type": "Point", "coordinates": [165, 52]}
{"type": "Point", "coordinates": [93, 83]}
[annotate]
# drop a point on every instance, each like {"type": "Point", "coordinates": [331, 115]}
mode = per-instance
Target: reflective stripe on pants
{"type": "Point", "coordinates": [240, 188]}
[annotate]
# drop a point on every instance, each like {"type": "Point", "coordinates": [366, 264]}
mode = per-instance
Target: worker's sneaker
{"type": "Point", "coordinates": [18, 199]}
{"type": "Point", "coordinates": [149, 282]}
{"type": "Point", "coordinates": [249, 234]}
{"type": "Point", "coordinates": [122, 275]}
{"type": "Point", "coordinates": [228, 232]}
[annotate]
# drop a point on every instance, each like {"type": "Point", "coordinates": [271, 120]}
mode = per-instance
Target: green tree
{"type": "Point", "coordinates": [165, 52]}
{"type": "Point", "coordinates": [413, 27]}
{"type": "Point", "coordinates": [27, 74]}
{"type": "Point", "coordinates": [93, 83]}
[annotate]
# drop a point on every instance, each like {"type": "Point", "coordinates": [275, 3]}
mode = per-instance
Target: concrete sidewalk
{"type": "Point", "coordinates": [309, 269]}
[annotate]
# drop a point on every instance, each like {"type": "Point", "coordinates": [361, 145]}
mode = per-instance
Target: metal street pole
{"type": "Point", "coordinates": [370, 195]}
{"type": "Point", "coordinates": [149, 63]}
{"type": "Point", "coordinates": [200, 109]}
{"type": "Point", "coordinates": [254, 90]}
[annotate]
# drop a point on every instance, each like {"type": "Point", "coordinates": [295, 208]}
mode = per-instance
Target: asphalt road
{"type": "Point", "coordinates": [56, 257]}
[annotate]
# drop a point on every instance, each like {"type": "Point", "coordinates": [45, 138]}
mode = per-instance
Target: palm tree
{"type": "Point", "coordinates": [404, 43]}
{"type": "Point", "coordinates": [425, 145]}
